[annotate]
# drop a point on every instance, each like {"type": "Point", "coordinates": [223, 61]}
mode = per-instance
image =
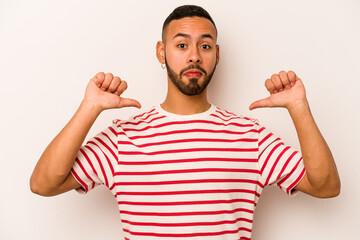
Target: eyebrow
{"type": "Point", "coordinates": [206, 35]}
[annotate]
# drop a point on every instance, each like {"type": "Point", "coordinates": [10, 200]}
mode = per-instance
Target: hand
{"type": "Point", "coordinates": [104, 91]}
{"type": "Point", "coordinates": [286, 90]}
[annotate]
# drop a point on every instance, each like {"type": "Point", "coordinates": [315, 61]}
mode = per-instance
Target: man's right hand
{"type": "Point", "coordinates": [104, 92]}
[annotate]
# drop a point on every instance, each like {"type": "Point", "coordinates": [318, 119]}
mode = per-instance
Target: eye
{"type": "Point", "coordinates": [181, 45]}
{"type": "Point", "coordinates": [205, 46]}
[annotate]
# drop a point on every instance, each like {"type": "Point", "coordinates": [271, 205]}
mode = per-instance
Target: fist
{"type": "Point", "coordinates": [286, 90]}
{"type": "Point", "coordinates": [105, 90]}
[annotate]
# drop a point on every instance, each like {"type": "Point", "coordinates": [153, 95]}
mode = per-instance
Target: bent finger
{"type": "Point", "coordinates": [277, 82]}
{"type": "Point", "coordinates": [121, 88]}
{"type": "Point", "coordinates": [99, 78]}
{"type": "Point", "coordinates": [284, 79]}
{"type": "Point", "coordinates": [270, 86]}
{"type": "Point", "coordinates": [108, 78]}
{"type": "Point", "coordinates": [292, 77]}
{"type": "Point", "coordinates": [114, 84]}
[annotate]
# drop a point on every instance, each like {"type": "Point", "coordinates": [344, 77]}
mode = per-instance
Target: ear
{"type": "Point", "coordinates": [160, 51]}
{"type": "Point", "coordinates": [217, 54]}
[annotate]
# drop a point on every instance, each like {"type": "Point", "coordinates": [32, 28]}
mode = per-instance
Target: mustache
{"type": "Point", "coordinates": [193, 66]}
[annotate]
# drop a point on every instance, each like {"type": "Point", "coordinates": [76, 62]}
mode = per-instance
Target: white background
{"type": "Point", "coordinates": [50, 49]}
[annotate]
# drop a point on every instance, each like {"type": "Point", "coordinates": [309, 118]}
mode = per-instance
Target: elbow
{"type": "Point", "coordinates": [336, 190]}
{"type": "Point", "coordinates": [39, 189]}
{"type": "Point", "coordinates": [331, 191]}
{"type": "Point", "coordinates": [35, 187]}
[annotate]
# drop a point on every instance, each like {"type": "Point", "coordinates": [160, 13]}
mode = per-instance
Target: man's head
{"type": "Point", "coordinates": [186, 11]}
{"type": "Point", "coordinates": [189, 48]}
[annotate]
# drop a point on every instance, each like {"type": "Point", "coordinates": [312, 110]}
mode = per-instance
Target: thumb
{"type": "Point", "coordinates": [261, 103]}
{"type": "Point", "coordinates": [128, 102]}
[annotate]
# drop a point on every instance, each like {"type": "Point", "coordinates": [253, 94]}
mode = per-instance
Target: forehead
{"type": "Point", "coordinates": [193, 26]}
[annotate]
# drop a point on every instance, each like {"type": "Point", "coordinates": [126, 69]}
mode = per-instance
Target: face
{"type": "Point", "coordinates": [190, 53]}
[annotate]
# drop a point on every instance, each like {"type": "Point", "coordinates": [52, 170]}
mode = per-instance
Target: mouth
{"type": "Point", "coordinates": [193, 73]}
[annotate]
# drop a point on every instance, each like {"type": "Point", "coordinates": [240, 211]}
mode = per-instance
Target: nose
{"type": "Point", "coordinates": [194, 56]}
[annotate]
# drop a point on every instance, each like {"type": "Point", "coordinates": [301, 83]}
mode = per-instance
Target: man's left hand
{"type": "Point", "coordinates": [286, 90]}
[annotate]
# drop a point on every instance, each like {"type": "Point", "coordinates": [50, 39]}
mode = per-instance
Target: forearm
{"type": "Point", "coordinates": [320, 167]}
{"type": "Point", "coordinates": [55, 163]}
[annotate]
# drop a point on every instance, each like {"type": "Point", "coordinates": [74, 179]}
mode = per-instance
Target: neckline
{"type": "Point", "coordinates": [204, 114]}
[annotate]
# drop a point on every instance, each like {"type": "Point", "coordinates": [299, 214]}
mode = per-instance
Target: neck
{"type": "Point", "coordinates": [178, 103]}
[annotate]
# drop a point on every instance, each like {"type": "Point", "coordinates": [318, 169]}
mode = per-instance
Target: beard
{"type": "Point", "coordinates": [193, 87]}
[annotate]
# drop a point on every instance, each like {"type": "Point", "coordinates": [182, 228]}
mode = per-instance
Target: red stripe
{"type": "Point", "coordinates": [267, 147]}
{"type": "Point", "coordinates": [187, 213]}
{"type": "Point", "coordinates": [188, 131]}
{"type": "Point", "coordinates": [152, 114]}
{"type": "Point", "coordinates": [296, 181]}
{"type": "Point", "coordinates": [187, 122]}
{"type": "Point", "coordinates": [189, 150]}
{"type": "Point", "coordinates": [234, 170]}
{"type": "Point", "coordinates": [228, 116]}
{"type": "Point", "coordinates": [107, 147]}
{"type": "Point", "coordinates": [187, 234]}
{"type": "Point", "coordinates": [202, 202]}
{"type": "Point", "coordinates": [142, 114]}
{"type": "Point", "coordinates": [247, 118]}
{"type": "Point", "coordinates": [285, 165]}
{"type": "Point", "coordinates": [113, 131]}
{"type": "Point", "coordinates": [84, 186]}
{"type": "Point", "coordinates": [190, 192]}
{"type": "Point", "coordinates": [264, 139]}
{"type": "Point", "coordinates": [275, 164]}
{"type": "Point", "coordinates": [228, 112]}
{"type": "Point", "coordinates": [83, 169]}
{"type": "Point", "coordinates": [88, 160]}
{"type": "Point", "coordinates": [192, 181]}
{"type": "Point", "coordinates": [225, 120]}
{"type": "Point", "coordinates": [268, 157]}
{"type": "Point", "coordinates": [107, 136]}
{"type": "Point", "coordinates": [187, 224]}
{"type": "Point", "coordinates": [100, 164]}
{"type": "Point", "coordinates": [139, 122]}
{"type": "Point", "coordinates": [187, 140]}
{"type": "Point", "coordinates": [234, 116]}
{"type": "Point", "coordinates": [107, 159]}
{"type": "Point", "coordinates": [290, 173]}
{"type": "Point", "coordinates": [188, 160]}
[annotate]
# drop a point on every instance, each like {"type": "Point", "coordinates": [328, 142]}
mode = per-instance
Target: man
{"type": "Point", "coordinates": [186, 168]}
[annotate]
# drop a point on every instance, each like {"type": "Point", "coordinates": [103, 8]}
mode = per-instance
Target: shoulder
{"type": "Point", "coordinates": [144, 116]}
{"type": "Point", "coordinates": [229, 116]}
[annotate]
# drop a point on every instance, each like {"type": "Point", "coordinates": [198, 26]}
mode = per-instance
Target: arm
{"type": "Point", "coordinates": [321, 178]}
{"type": "Point", "coordinates": [51, 175]}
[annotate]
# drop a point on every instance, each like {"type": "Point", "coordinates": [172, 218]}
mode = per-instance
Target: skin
{"type": "Point", "coordinates": [187, 42]}
{"type": "Point", "coordinates": [287, 91]}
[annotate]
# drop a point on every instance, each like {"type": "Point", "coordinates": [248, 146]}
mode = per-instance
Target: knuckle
{"type": "Point", "coordinates": [268, 83]}
{"type": "Point", "coordinates": [109, 75]}
{"type": "Point", "coordinates": [100, 75]}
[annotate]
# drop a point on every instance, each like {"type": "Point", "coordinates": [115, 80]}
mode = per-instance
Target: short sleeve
{"type": "Point", "coordinates": [95, 161]}
{"type": "Point", "coordinates": [279, 164]}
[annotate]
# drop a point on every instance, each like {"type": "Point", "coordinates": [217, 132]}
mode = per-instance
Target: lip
{"type": "Point", "coordinates": [193, 73]}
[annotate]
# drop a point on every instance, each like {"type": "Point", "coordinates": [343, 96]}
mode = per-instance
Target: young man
{"type": "Point", "coordinates": [186, 168]}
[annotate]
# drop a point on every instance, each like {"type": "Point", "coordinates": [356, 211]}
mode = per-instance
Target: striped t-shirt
{"type": "Point", "coordinates": [188, 177]}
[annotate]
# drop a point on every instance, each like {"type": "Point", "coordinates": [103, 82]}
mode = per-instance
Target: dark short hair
{"type": "Point", "coordinates": [187, 11]}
